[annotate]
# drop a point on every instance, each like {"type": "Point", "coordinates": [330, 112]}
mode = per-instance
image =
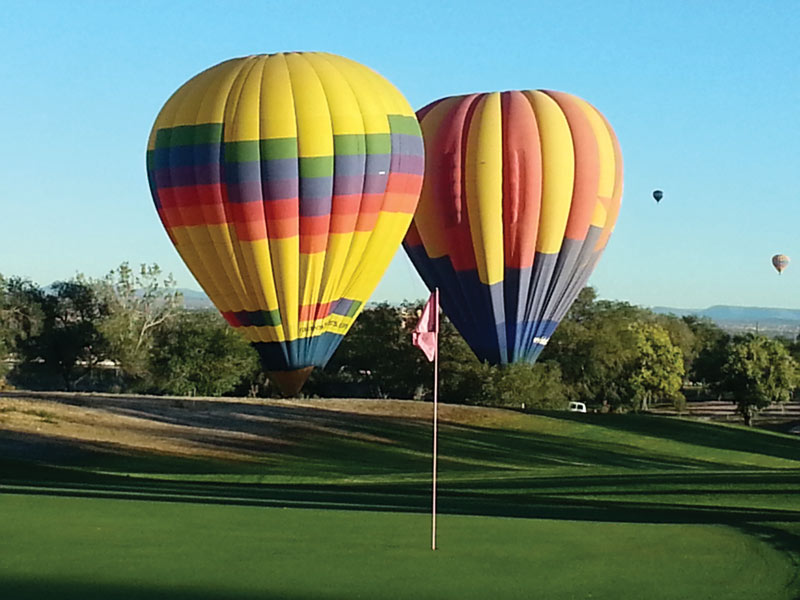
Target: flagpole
{"type": "Point", "coordinates": [435, 415]}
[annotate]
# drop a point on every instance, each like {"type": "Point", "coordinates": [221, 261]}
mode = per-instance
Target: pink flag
{"type": "Point", "coordinates": [426, 332]}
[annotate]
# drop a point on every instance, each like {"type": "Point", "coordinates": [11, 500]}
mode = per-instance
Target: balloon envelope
{"type": "Point", "coordinates": [521, 193]}
{"type": "Point", "coordinates": [286, 182]}
{"type": "Point", "coordinates": [780, 262]}
{"type": "Point", "coordinates": [658, 195]}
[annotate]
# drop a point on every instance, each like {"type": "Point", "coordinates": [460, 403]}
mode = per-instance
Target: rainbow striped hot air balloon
{"type": "Point", "coordinates": [780, 262]}
{"type": "Point", "coordinates": [521, 193]}
{"type": "Point", "coordinates": [286, 182]}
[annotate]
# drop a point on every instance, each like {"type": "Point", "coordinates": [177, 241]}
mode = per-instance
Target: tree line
{"type": "Point", "coordinates": [128, 332]}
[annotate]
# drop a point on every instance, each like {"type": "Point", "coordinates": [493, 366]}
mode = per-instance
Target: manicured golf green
{"type": "Point", "coordinates": [532, 506]}
{"type": "Point", "coordinates": [98, 548]}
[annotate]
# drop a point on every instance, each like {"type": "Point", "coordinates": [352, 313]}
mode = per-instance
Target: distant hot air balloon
{"type": "Point", "coordinates": [658, 195]}
{"type": "Point", "coordinates": [287, 182]}
{"type": "Point", "coordinates": [780, 262]}
{"type": "Point", "coordinates": [521, 193]}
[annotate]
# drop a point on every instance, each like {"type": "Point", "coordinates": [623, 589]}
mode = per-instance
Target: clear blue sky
{"type": "Point", "coordinates": [704, 97]}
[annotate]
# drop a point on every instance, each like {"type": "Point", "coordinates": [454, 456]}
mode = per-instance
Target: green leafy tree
{"type": "Point", "coordinates": [21, 318]}
{"type": "Point", "coordinates": [682, 337]}
{"type": "Point", "coordinates": [710, 352]}
{"type": "Point", "coordinates": [757, 372]}
{"type": "Point", "coordinates": [139, 302]}
{"type": "Point", "coordinates": [377, 357]}
{"type": "Point", "coordinates": [595, 349]}
{"type": "Point", "coordinates": [656, 372]}
{"type": "Point", "coordinates": [70, 342]}
{"type": "Point", "coordinates": [529, 386]}
{"type": "Point", "coordinates": [198, 354]}
{"type": "Point", "coordinates": [463, 379]}
{"type": "Point", "coordinates": [619, 355]}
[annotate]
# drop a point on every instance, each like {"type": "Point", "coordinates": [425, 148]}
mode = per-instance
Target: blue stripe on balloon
{"type": "Point", "coordinates": [513, 334]}
{"type": "Point", "coordinates": [299, 353]}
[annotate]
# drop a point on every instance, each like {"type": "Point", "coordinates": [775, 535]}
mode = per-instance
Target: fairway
{"type": "Point", "coordinates": [79, 548]}
{"type": "Point", "coordinates": [124, 497]}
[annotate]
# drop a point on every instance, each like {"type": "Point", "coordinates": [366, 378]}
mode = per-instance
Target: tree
{"type": "Point", "coordinates": [377, 358]}
{"type": "Point", "coordinates": [139, 302]}
{"type": "Point", "coordinates": [21, 317]}
{"type": "Point", "coordinates": [711, 348]}
{"type": "Point", "coordinates": [656, 372]}
{"type": "Point", "coordinates": [757, 371]}
{"type": "Point", "coordinates": [462, 377]}
{"type": "Point", "coordinates": [70, 342]}
{"type": "Point", "coordinates": [529, 386]}
{"type": "Point", "coordinates": [616, 354]}
{"type": "Point", "coordinates": [198, 354]}
{"type": "Point", "coordinates": [681, 336]}
{"type": "Point", "coordinates": [595, 349]}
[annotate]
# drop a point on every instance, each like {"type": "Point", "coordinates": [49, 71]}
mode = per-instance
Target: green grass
{"type": "Point", "coordinates": [94, 548]}
{"type": "Point", "coordinates": [545, 506]}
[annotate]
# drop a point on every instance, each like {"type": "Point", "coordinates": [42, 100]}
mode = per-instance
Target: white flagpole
{"type": "Point", "coordinates": [435, 414]}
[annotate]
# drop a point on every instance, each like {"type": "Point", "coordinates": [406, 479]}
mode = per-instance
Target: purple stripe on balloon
{"type": "Point", "coordinates": [404, 163]}
{"type": "Point", "coordinates": [185, 176]}
{"type": "Point", "coordinates": [316, 187]}
{"type": "Point", "coordinates": [280, 171]}
{"type": "Point", "coordinates": [342, 306]}
{"type": "Point", "coordinates": [248, 191]}
{"type": "Point", "coordinates": [243, 172]}
{"type": "Point", "coordinates": [375, 184]}
{"type": "Point", "coordinates": [280, 168]}
{"type": "Point", "coordinates": [186, 156]}
{"type": "Point", "coordinates": [345, 185]}
{"type": "Point", "coordinates": [349, 165]}
{"type": "Point", "coordinates": [281, 189]}
{"type": "Point", "coordinates": [315, 206]}
{"type": "Point", "coordinates": [410, 145]}
{"type": "Point", "coordinates": [378, 164]}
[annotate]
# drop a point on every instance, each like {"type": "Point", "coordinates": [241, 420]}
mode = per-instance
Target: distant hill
{"type": "Point", "coordinates": [735, 319]}
{"type": "Point", "coordinates": [769, 321]}
{"type": "Point", "coordinates": [195, 300]}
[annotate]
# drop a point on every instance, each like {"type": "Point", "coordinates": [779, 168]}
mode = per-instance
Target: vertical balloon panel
{"type": "Point", "coordinates": [286, 182]}
{"type": "Point", "coordinates": [521, 193]}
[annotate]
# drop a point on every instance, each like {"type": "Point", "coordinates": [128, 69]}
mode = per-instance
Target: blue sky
{"type": "Point", "coordinates": [703, 96]}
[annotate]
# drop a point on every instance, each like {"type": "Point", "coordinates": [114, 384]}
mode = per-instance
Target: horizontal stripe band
{"type": "Point", "coordinates": [260, 318]}
{"type": "Point", "coordinates": [210, 203]}
{"type": "Point", "coordinates": [196, 151]}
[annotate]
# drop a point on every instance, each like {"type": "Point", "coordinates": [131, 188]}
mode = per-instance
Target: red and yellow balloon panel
{"type": "Point", "coordinates": [521, 192]}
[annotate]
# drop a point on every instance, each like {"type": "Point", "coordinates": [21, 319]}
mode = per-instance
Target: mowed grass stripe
{"type": "Point", "coordinates": [78, 548]}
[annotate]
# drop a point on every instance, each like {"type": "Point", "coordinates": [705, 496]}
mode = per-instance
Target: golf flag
{"type": "Point", "coordinates": [426, 332]}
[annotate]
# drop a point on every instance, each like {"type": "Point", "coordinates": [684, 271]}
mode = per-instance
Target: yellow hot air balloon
{"type": "Point", "coordinates": [286, 182]}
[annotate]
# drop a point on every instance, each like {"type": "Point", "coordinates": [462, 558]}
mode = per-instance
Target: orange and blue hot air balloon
{"type": "Point", "coordinates": [780, 262]}
{"type": "Point", "coordinates": [287, 182]}
{"type": "Point", "coordinates": [521, 193]}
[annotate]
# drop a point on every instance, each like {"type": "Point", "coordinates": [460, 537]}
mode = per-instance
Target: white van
{"type": "Point", "coordinates": [577, 407]}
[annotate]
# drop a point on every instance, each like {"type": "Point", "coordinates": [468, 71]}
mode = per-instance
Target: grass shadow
{"type": "Point", "coordinates": [723, 437]}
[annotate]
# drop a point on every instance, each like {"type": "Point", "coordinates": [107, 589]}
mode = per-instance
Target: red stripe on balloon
{"type": "Point", "coordinates": [449, 149]}
{"type": "Point", "coordinates": [587, 167]}
{"type": "Point", "coordinates": [522, 180]}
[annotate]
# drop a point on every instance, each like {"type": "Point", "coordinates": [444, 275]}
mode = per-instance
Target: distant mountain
{"type": "Point", "coordinates": [736, 319]}
{"type": "Point", "coordinates": [195, 300]}
{"type": "Point", "coordinates": [769, 321]}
